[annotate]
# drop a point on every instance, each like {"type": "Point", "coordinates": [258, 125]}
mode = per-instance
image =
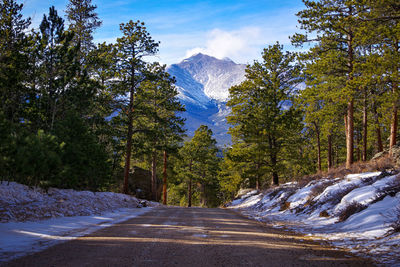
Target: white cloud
{"type": "Point", "coordinates": [245, 44]}
{"type": "Point", "coordinates": [236, 44]}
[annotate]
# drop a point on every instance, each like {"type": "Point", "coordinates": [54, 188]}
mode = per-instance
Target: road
{"type": "Point", "coordinates": [174, 236]}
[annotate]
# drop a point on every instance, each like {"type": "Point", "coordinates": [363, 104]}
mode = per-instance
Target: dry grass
{"type": "Point", "coordinates": [305, 180]}
{"type": "Point", "coordinates": [324, 213]}
{"type": "Point", "coordinates": [284, 206]}
{"type": "Point", "coordinates": [385, 163]}
{"type": "Point", "coordinates": [352, 208]}
{"type": "Point", "coordinates": [381, 164]}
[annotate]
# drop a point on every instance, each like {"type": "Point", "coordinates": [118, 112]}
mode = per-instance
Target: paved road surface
{"type": "Point", "coordinates": [173, 236]}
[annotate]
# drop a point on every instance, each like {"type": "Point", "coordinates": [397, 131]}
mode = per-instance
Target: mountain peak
{"type": "Point", "coordinates": [201, 56]}
{"type": "Point", "coordinates": [216, 75]}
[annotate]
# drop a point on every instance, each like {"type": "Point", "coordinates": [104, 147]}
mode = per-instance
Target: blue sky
{"type": "Point", "coordinates": [235, 29]}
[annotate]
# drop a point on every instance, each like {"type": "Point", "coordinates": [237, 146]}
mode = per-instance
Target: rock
{"type": "Point", "coordinates": [385, 153]}
{"type": "Point", "coordinates": [380, 155]}
{"type": "Point", "coordinates": [246, 191]}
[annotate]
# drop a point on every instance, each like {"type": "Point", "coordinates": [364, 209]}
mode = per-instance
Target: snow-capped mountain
{"type": "Point", "coordinates": [203, 83]}
{"type": "Point", "coordinates": [216, 75]}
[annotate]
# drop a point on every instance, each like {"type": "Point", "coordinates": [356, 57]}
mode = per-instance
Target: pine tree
{"type": "Point", "coordinates": [83, 22]}
{"type": "Point", "coordinates": [103, 104]}
{"type": "Point", "coordinates": [239, 170]}
{"type": "Point", "coordinates": [262, 112]}
{"type": "Point", "coordinates": [14, 60]}
{"type": "Point", "coordinates": [161, 128]}
{"type": "Point", "coordinates": [200, 162]}
{"type": "Point", "coordinates": [55, 67]}
{"type": "Point", "coordinates": [135, 44]}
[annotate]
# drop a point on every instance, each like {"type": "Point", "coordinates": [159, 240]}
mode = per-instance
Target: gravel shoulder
{"type": "Point", "coordinates": [175, 236]}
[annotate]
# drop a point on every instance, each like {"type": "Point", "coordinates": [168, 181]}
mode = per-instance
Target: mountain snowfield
{"type": "Point", "coordinates": [360, 212]}
{"type": "Point", "coordinates": [203, 83]}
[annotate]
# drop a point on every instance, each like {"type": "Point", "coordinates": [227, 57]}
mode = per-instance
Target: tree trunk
{"type": "Point", "coordinates": [154, 176]}
{"type": "Point", "coordinates": [350, 135]}
{"type": "Point", "coordinates": [258, 176]}
{"type": "Point", "coordinates": [275, 178]}
{"type": "Point", "coordinates": [318, 146]}
{"type": "Point", "coordinates": [337, 156]}
{"type": "Point", "coordinates": [330, 160]}
{"type": "Point", "coordinates": [350, 104]}
{"type": "Point", "coordinates": [128, 149]}
{"type": "Point", "coordinates": [379, 144]}
{"type": "Point", "coordinates": [358, 150]}
{"type": "Point", "coordinates": [53, 115]}
{"type": "Point", "coordinates": [365, 127]}
{"type": "Point", "coordinates": [274, 159]}
{"type": "Point", "coordinates": [190, 185]}
{"type": "Point", "coordinates": [393, 126]}
{"type": "Point", "coordinates": [165, 179]}
{"type": "Point", "coordinates": [203, 192]}
{"type": "Point", "coordinates": [128, 144]}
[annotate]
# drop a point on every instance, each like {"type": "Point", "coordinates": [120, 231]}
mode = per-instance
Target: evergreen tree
{"type": "Point", "coordinates": [56, 69]}
{"type": "Point", "coordinates": [200, 164]}
{"type": "Point", "coordinates": [83, 22]}
{"type": "Point", "coordinates": [239, 170]}
{"type": "Point", "coordinates": [104, 104]}
{"type": "Point", "coordinates": [14, 60]}
{"type": "Point", "coordinates": [85, 163]}
{"type": "Point", "coordinates": [161, 128]}
{"type": "Point", "coordinates": [135, 44]}
{"type": "Point", "coordinates": [263, 114]}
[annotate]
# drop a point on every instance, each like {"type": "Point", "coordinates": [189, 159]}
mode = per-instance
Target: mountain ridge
{"type": "Point", "coordinates": [203, 84]}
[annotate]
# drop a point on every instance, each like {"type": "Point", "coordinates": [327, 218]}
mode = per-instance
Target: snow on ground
{"type": "Point", "coordinates": [32, 219]}
{"type": "Point", "coordinates": [324, 210]}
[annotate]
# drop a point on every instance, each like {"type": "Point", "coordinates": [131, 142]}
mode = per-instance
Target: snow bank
{"type": "Point", "coordinates": [317, 210]}
{"type": "Point", "coordinates": [32, 219]}
{"type": "Point", "coordinates": [21, 203]}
